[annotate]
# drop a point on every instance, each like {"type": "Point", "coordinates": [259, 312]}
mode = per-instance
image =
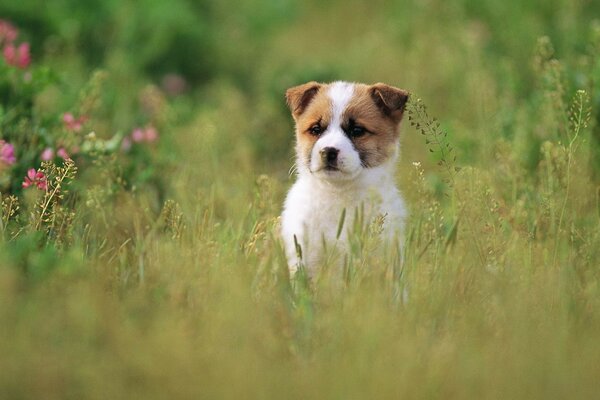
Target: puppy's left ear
{"type": "Point", "coordinates": [299, 97]}
{"type": "Point", "coordinates": [390, 100]}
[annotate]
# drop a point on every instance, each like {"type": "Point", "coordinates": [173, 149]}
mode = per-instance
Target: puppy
{"type": "Point", "coordinates": [346, 151]}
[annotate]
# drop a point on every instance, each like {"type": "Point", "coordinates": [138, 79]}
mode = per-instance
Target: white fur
{"type": "Point", "coordinates": [340, 94]}
{"type": "Point", "coordinates": [348, 159]}
{"type": "Point", "coordinates": [314, 204]}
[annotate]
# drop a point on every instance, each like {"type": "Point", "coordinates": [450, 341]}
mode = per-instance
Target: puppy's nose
{"type": "Point", "coordinates": [329, 154]}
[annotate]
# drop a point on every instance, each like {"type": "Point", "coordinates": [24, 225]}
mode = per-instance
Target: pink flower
{"type": "Point", "coordinates": [17, 56]}
{"type": "Point", "coordinates": [8, 33]}
{"type": "Point", "coordinates": [35, 178]}
{"type": "Point", "coordinates": [72, 123]}
{"type": "Point", "coordinates": [62, 153]}
{"type": "Point", "coordinates": [148, 134]}
{"type": "Point", "coordinates": [126, 144]}
{"type": "Point", "coordinates": [47, 154]}
{"type": "Point", "coordinates": [138, 135]}
{"type": "Point", "coordinates": [151, 134]}
{"type": "Point", "coordinates": [68, 118]}
{"type": "Point", "coordinates": [7, 153]}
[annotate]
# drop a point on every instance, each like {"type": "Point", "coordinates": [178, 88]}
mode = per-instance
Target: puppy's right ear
{"type": "Point", "coordinates": [299, 97]}
{"type": "Point", "coordinates": [390, 100]}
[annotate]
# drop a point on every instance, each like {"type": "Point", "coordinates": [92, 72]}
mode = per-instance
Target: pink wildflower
{"type": "Point", "coordinates": [138, 135]}
{"type": "Point", "coordinates": [148, 134]}
{"type": "Point", "coordinates": [72, 123]}
{"type": "Point", "coordinates": [17, 56]}
{"type": "Point", "coordinates": [126, 144]}
{"type": "Point", "coordinates": [7, 153]}
{"type": "Point", "coordinates": [8, 33]}
{"type": "Point", "coordinates": [47, 154]}
{"type": "Point", "coordinates": [62, 153]}
{"type": "Point", "coordinates": [68, 119]}
{"type": "Point", "coordinates": [35, 178]}
{"type": "Point", "coordinates": [151, 134]}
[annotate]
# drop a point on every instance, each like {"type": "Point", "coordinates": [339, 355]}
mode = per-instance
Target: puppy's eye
{"type": "Point", "coordinates": [356, 131]}
{"type": "Point", "coordinates": [316, 130]}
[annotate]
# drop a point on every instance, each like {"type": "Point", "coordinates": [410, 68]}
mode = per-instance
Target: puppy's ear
{"type": "Point", "coordinates": [390, 100]}
{"type": "Point", "coordinates": [299, 97]}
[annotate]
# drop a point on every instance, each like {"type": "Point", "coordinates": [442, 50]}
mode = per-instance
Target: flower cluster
{"type": "Point", "coordinates": [39, 149]}
{"type": "Point", "coordinates": [35, 178]}
{"type": "Point", "coordinates": [74, 124]}
{"type": "Point", "coordinates": [48, 154]}
{"type": "Point", "coordinates": [149, 134]}
{"type": "Point", "coordinates": [7, 154]}
{"type": "Point", "coordinates": [16, 55]}
{"type": "Point", "coordinates": [8, 33]}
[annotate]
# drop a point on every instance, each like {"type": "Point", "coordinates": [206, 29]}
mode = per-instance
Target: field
{"type": "Point", "coordinates": [140, 258]}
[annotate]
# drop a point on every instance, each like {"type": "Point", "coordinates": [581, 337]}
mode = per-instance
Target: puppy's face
{"type": "Point", "coordinates": [343, 128]}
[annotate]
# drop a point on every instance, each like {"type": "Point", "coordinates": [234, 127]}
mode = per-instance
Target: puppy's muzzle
{"type": "Point", "coordinates": [329, 156]}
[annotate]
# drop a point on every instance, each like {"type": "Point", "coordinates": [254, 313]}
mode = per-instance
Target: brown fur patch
{"type": "Point", "coordinates": [390, 100]}
{"type": "Point", "coordinates": [378, 144]}
{"type": "Point", "coordinates": [318, 111]}
{"type": "Point", "coordinates": [299, 97]}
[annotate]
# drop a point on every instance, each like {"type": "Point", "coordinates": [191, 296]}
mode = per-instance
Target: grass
{"type": "Point", "coordinates": [183, 292]}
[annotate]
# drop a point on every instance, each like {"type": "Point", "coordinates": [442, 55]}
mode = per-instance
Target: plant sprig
{"type": "Point", "coordinates": [58, 178]}
{"type": "Point", "coordinates": [435, 137]}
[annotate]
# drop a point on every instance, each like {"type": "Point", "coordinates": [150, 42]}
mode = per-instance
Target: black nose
{"type": "Point", "coordinates": [329, 155]}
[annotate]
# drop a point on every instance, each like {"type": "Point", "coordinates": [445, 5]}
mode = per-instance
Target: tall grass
{"type": "Point", "coordinates": [129, 289]}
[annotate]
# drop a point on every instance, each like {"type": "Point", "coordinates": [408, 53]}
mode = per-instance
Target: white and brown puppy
{"type": "Point", "coordinates": [347, 147]}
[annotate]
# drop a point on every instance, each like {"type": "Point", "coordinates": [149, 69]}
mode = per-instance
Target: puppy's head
{"type": "Point", "coordinates": [343, 128]}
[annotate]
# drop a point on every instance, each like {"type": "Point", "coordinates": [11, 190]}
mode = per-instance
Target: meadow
{"type": "Point", "coordinates": [145, 152]}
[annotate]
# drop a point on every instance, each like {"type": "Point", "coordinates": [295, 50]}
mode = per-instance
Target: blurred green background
{"type": "Point", "coordinates": [168, 276]}
{"type": "Point", "coordinates": [469, 60]}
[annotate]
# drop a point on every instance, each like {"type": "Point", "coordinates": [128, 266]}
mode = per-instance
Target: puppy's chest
{"type": "Point", "coordinates": [334, 216]}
